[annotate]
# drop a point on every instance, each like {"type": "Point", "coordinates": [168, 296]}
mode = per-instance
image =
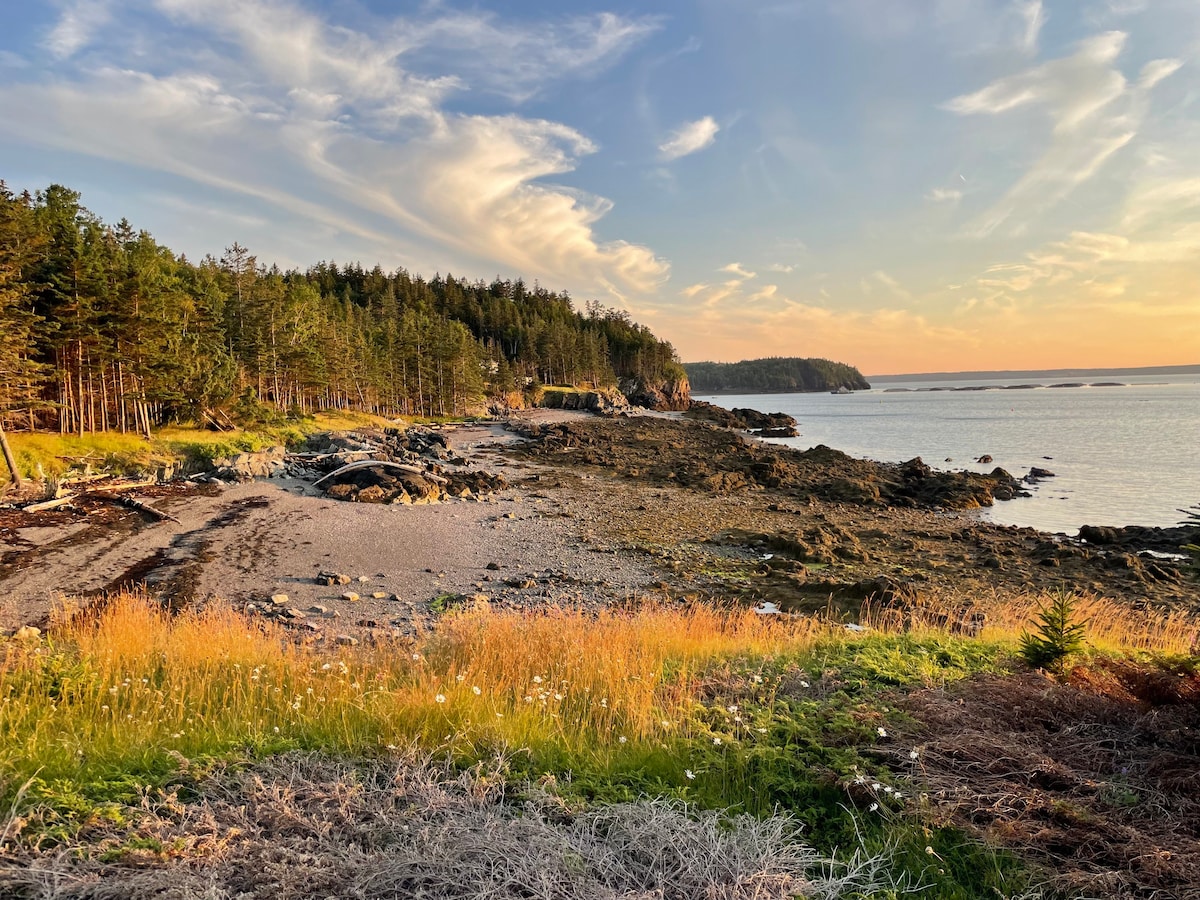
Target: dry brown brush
{"type": "Point", "coordinates": [308, 826]}
{"type": "Point", "coordinates": [1096, 778]}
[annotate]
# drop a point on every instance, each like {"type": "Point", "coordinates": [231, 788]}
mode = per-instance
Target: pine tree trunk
{"type": "Point", "coordinates": [121, 409]}
{"type": "Point", "coordinates": [79, 393]}
{"type": "Point", "coordinates": [103, 399]}
{"type": "Point", "coordinates": [9, 461]}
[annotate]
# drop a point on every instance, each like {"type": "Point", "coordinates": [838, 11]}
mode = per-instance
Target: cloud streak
{"type": "Point", "coordinates": [689, 138]}
{"type": "Point", "coordinates": [326, 123]}
{"type": "Point", "coordinates": [1093, 113]}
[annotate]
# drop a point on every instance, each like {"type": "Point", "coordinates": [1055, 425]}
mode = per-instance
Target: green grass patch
{"type": "Point", "coordinates": [55, 455]}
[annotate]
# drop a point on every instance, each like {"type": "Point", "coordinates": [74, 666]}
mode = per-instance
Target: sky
{"type": "Point", "coordinates": [902, 185]}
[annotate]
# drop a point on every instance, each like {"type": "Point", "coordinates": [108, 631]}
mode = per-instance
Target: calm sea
{"type": "Point", "coordinates": [1126, 455]}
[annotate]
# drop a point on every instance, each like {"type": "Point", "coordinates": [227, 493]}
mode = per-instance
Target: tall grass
{"type": "Point", "coordinates": [130, 688]}
{"type": "Point", "coordinates": [1109, 625]}
{"type": "Point", "coordinates": [133, 687]}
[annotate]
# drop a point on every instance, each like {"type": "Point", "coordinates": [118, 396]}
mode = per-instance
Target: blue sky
{"type": "Point", "coordinates": [907, 185]}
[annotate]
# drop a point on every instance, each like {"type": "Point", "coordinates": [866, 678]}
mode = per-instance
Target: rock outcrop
{"type": "Point", "coordinates": [604, 401]}
{"type": "Point", "coordinates": [670, 393]}
{"type": "Point", "coordinates": [767, 425]}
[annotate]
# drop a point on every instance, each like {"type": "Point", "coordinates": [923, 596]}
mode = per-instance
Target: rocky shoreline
{"type": "Point", "coordinates": [566, 508]}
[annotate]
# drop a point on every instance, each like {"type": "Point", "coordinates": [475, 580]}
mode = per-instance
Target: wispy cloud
{"type": "Point", "coordinates": [1033, 16]}
{"type": "Point", "coordinates": [737, 269]}
{"type": "Point", "coordinates": [519, 61]}
{"type": "Point", "coordinates": [690, 138]}
{"type": "Point", "coordinates": [1093, 111]}
{"type": "Point", "coordinates": [945, 195]}
{"type": "Point", "coordinates": [893, 285]}
{"type": "Point", "coordinates": [76, 26]}
{"type": "Point", "coordinates": [324, 122]}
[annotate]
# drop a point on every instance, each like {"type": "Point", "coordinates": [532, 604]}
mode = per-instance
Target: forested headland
{"type": "Point", "coordinates": [102, 328]}
{"type": "Point", "coordinates": [776, 374]}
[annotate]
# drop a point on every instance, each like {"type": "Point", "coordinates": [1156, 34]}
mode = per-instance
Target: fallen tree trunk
{"type": "Point", "coordinates": [46, 505]}
{"type": "Point", "coordinates": [136, 505]}
{"type": "Point", "coordinates": [385, 464]}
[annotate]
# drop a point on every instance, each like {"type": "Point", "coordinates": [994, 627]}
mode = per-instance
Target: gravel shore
{"type": "Point", "coordinates": [595, 511]}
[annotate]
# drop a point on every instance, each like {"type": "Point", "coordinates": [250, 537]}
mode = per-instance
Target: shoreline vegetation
{"type": "Point", "coordinates": [129, 733]}
{"type": "Point", "coordinates": [104, 330]}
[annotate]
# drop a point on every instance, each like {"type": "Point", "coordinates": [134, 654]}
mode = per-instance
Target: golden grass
{"type": "Point", "coordinates": [135, 682]}
{"type": "Point", "coordinates": [1111, 626]}
{"type": "Point", "coordinates": [134, 685]}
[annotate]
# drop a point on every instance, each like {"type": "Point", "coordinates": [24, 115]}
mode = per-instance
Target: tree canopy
{"type": "Point", "coordinates": [776, 374]}
{"type": "Point", "coordinates": [102, 327]}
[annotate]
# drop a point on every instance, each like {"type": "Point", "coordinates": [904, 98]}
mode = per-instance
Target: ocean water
{"type": "Point", "coordinates": [1126, 455]}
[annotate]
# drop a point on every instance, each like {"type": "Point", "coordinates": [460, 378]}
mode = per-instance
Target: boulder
{"type": "Point", "coordinates": [244, 466]}
{"type": "Point", "coordinates": [1100, 535]}
{"type": "Point", "coordinates": [785, 431]}
{"type": "Point", "coordinates": [606, 401]}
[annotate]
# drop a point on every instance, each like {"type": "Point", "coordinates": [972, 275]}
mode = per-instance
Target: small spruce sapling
{"type": "Point", "coordinates": [1057, 636]}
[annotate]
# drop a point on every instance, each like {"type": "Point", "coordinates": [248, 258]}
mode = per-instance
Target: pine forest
{"type": "Point", "coordinates": [102, 328]}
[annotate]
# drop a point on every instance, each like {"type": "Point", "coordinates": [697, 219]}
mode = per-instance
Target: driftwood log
{"type": "Point", "coordinates": [136, 505]}
{"type": "Point", "coordinates": [383, 464]}
{"type": "Point", "coordinates": [110, 494]}
{"type": "Point", "coordinates": [49, 504]}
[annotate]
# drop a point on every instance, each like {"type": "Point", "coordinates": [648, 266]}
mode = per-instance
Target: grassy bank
{"type": "Point", "coordinates": [41, 454]}
{"type": "Point", "coordinates": [720, 709]}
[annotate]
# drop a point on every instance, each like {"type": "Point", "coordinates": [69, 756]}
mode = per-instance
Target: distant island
{"type": "Point", "coordinates": [1038, 373]}
{"type": "Point", "coordinates": [774, 375]}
